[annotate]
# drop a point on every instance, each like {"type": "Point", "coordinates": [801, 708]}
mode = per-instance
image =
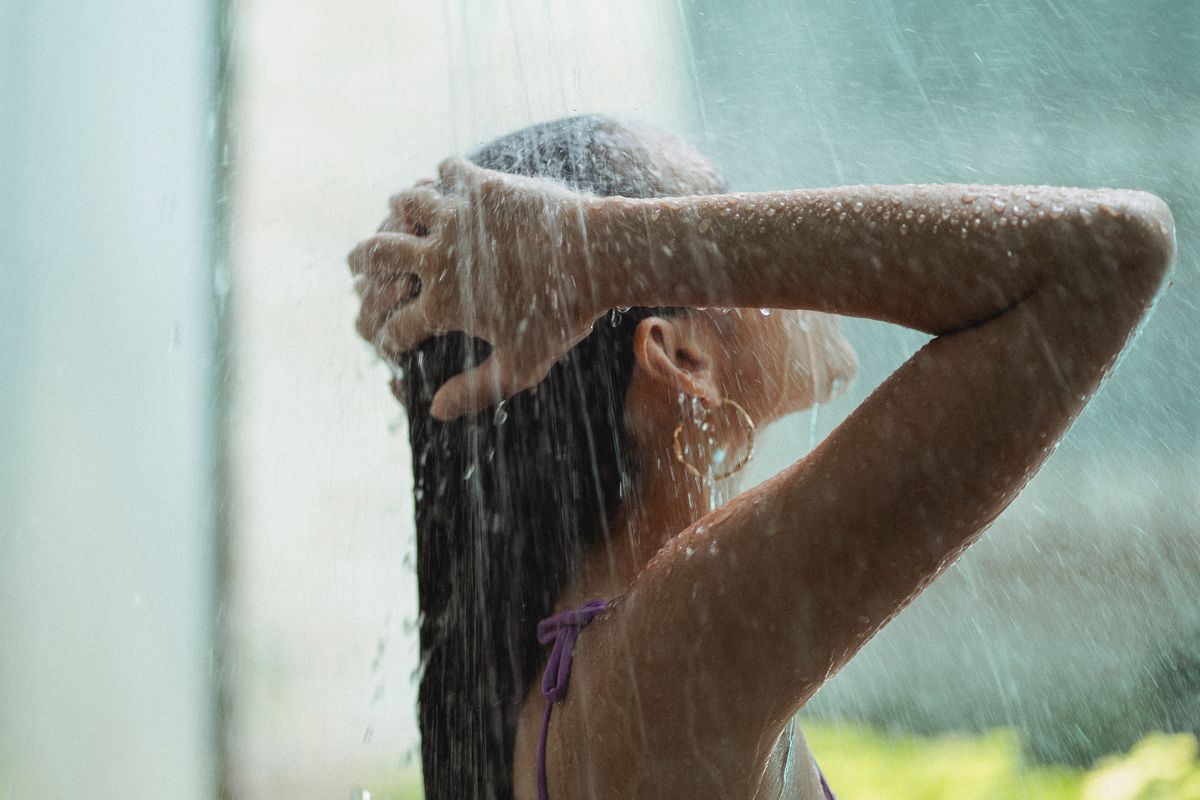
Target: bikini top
{"type": "Point", "coordinates": [561, 631]}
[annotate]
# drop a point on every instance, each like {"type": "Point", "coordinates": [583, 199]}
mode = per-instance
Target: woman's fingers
{"type": "Point", "coordinates": [492, 381]}
{"type": "Point", "coordinates": [457, 174]}
{"type": "Point", "coordinates": [380, 299]}
{"type": "Point", "coordinates": [393, 274]}
{"type": "Point", "coordinates": [388, 255]}
{"type": "Point", "coordinates": [420, 209]}
{"type": "Point", "coordinates": [472, 391]}
{"type": "Point", "coordinates": [405, 328]}
{"type": "Point", "coordinates": [461, 177]}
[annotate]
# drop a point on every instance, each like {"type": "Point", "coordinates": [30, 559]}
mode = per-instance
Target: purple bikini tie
{"type": "Point", "coordinates": [562, 631]}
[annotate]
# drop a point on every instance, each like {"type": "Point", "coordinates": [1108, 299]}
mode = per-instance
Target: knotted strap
{"type": "Point", "coordinates": [561, 631]}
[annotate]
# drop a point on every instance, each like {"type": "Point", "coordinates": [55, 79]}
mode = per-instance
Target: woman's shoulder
{"type": "Point", "coordinates": [789, 772]}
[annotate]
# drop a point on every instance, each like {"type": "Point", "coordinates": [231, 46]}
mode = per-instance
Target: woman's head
{"type": "Point", "coordinates": [508, 501]}
{"type": "Point", "coordinates": [769, 362]}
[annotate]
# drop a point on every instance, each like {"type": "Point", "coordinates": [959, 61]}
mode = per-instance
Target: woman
{"type": "Point", "coordinates": [615, 438]}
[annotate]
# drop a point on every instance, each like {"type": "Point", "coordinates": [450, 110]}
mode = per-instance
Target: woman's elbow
{"type": "Point", "coordinates": [1140, 229]}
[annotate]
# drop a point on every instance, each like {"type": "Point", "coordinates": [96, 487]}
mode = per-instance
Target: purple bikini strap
{"type": "Point", "coordinates": [561, 630]}
{"type": "Point", "coordinates": [825, 786]}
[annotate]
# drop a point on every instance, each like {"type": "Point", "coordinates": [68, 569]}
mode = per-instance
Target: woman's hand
{"type": "Point", "coordinates": [495, 256]}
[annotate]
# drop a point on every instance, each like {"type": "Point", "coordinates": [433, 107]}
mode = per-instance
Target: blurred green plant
{"type": "Point", "coordinates": [1159, 766]}
{"type": "Point", "coordinates": [864, 763]}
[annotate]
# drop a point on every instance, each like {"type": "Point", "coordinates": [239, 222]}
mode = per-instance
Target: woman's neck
{"type": "Point", "coordinates": [663, 500]}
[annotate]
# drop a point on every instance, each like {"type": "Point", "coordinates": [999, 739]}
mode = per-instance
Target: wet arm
{"type": "Point", "coordinates": [740, 619]}
{"type": "Point", "coordinates": [934, 258]}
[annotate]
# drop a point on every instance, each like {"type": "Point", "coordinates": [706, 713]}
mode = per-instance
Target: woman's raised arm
{"type": "Point", "coordinates": [935, 258]}
{"type": "Point", "coordinates": [740, 619]}
{"type": "Point", "coordinates": [550, 261]}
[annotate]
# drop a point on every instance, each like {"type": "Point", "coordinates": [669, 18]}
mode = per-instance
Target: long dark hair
{"type": "Point", "coordinates": [509, 500]}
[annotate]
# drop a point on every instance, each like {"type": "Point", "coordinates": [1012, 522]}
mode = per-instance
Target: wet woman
{"type": "Point", "coordinates": [575, 313]}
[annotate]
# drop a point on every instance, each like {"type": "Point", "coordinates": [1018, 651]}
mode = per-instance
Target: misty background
{"type": "Point", "coordinates": [206, 578]}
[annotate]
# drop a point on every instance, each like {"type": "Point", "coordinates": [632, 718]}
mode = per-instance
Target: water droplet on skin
{"type": "Point", "coordinates": [998, 205]}
{"type": "Point", "coordinates": [909, 214]}
{"type": "Point", "coordinates": [703, 226]}
{"type": "Point", "coordinates": [712, 547]}
{"type": "Point", "coordinates": [689, 551]}
{"type": "Point", "coordinates": [766, 312]}
{"type": "Point", "coordinates": [920, 219]}
{"type": "Point", "coordinates": [837, 205]}
{"type": "Point", "coordinates": [1056, 211]}
{"type": "Point", "coordinates": [1034, 202]}
{"type": "Point", "coordinates": [842, 217]}
{"type": "Point", "coordinates": [968, 198]}
{"type": "Point", "coordinates": [667, 251]}
{"type": "Point", "coordinates": [858, 206]}
{"type": "Point", "coordinates": [770, 211]}
{"type": "Point", "coordinates": [903, 230]}
{"type": "Point", "coordinates": [1116, 212]}
{"type": "Point", "coordinates": [501, 415]}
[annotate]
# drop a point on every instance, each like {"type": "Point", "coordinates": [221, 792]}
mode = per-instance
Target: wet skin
{"type": "Point", "coordinates": [726, 622]}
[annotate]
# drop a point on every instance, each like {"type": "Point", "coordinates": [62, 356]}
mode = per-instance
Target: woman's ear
{"type": "Point", "coordinates": [673, 353]}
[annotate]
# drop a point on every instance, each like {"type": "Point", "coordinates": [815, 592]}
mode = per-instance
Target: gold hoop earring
{"type": "Point", "coordinates": [746, 420]}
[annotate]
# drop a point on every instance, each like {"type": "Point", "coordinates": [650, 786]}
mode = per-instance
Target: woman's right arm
{"type": "Point", "coordinates": [740, 619]}
{"type": "Point", "coordinates": [936, 258]}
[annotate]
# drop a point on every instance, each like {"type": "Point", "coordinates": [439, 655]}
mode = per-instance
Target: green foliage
{"type": "Point", "coordinates": [1159, 766]}
{"type": "Point", "coordinates": [866, 763]}
{"type": "Point", "coordinates": [863, 763]}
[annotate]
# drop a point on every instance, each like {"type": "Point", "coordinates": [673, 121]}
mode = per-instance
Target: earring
{"type": "Point", "coordinates": [744, 416]}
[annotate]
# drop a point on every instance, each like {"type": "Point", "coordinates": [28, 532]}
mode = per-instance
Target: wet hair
{"type": "Point", "coordinates": [509, 500]}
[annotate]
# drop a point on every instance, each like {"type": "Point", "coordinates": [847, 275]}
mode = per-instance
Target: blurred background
{"type": "Point", "coordinates": [206, 581]}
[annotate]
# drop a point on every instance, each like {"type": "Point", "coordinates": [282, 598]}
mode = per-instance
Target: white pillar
{"type": "Point", "coordinates": [106, 402]}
